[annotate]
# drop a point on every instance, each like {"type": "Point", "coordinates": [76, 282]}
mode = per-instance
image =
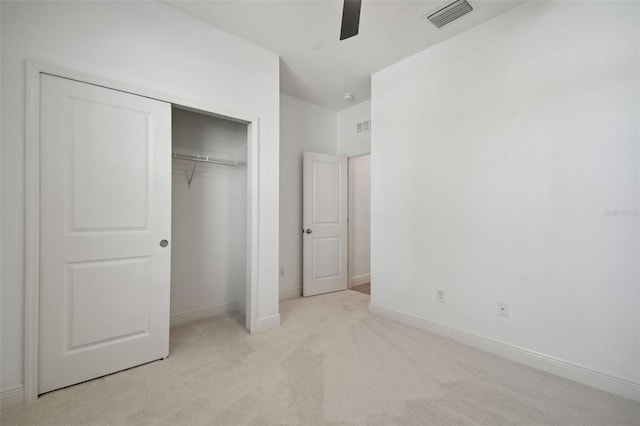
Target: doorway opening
{"type": "Point", "coordinates": [336, 217]}
{"type": "Point", "coordinates": [359, 223]}
{"type": "Point", "coordinates": [209, 215]}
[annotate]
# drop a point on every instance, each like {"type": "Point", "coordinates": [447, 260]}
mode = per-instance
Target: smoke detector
{"type": "Point", "coordinates": [448, 13]}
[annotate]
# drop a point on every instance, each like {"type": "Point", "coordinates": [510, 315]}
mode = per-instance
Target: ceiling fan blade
{"type": "Point", "coordinates": [350, 18]}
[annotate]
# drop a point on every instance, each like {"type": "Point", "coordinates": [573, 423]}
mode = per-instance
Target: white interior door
{"type": "Point", "coordinates": [105, 207]}
{"type": "Point", "coordinates": [324, 218]}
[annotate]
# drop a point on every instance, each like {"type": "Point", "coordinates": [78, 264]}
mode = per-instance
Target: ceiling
{"type": "Point", "coordinates": [314, 64]}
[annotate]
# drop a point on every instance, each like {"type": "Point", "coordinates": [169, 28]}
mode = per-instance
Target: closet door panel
{"type": "Point", "coordinates": [105, 199]}
{"type": "Point", "coordinates": [109, 143]}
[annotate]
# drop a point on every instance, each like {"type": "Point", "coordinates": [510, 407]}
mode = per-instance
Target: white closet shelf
{"type": "Point", "coordinates": [207, 159]}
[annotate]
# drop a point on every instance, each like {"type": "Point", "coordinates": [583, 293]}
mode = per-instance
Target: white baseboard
{"type": "Point", "coordinates": [290, 294]}
{"type": "Point", "coordinates": [360, 279]}
{"type": "Point", "coordinates": [596, 379]}
{"type": "Point", "coordinates": [266, 323]}
{"type": "Point", "coordinates": [199, 314]}
{"type": "Point", "coordinates": [11, 397]}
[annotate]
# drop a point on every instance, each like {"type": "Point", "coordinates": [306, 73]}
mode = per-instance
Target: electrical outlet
{"type": "Point", "coordinates": [503, 309]}
{"type": "Point", "coordinates": [282, 271]}
{"type": "Point", "coordinates": [441, 296]}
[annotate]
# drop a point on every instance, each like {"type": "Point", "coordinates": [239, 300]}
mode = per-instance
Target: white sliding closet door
{"type": "Point", "coordinates": [105, 208]}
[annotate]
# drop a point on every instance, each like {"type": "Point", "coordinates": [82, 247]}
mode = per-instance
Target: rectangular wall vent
{"type": "Point", "coordinates": [363, 126]}
{"type": "Point", "coordinates": [449, 13]}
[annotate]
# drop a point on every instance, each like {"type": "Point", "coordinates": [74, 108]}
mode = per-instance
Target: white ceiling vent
{"type": "Point", "coordinates": [449, 13]}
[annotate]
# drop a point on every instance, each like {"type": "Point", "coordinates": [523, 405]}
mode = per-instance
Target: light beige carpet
{"type": "Point", "coordinates": [330, 363]}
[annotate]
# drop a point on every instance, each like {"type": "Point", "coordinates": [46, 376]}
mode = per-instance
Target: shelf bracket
{"type": "Point", "coordinates": [190, 178]}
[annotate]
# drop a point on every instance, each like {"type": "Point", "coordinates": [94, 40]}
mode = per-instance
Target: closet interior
{"type": "Point", "coordinates": [209, 216]}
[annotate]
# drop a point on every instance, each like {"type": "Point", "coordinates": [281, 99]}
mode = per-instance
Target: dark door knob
{"type": "Point", "coordinates": [308, 231]}
{"type": "Point", "coordinates": [164, 243]}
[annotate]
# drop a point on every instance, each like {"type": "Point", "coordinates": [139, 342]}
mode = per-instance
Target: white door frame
{"type": "Point", "coordinates": [32, 219]}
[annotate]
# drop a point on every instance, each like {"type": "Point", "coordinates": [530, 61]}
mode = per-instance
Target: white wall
{"type": "Point", "coordinates": [143, 44]}
{"type": "Point", "coordinates": [349, 141]}
{"type": "Point", "coordinates": [359, 220]}
{"type": "Point", "coordinates": [303, 127]}
{"type": "Point", "coordinates": [208, 223]}
{"type": "Point", "coordinates": [505, 168]}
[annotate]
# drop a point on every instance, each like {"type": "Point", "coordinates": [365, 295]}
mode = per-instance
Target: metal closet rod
{"type": "Point", "coordinates": [207, 159]}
